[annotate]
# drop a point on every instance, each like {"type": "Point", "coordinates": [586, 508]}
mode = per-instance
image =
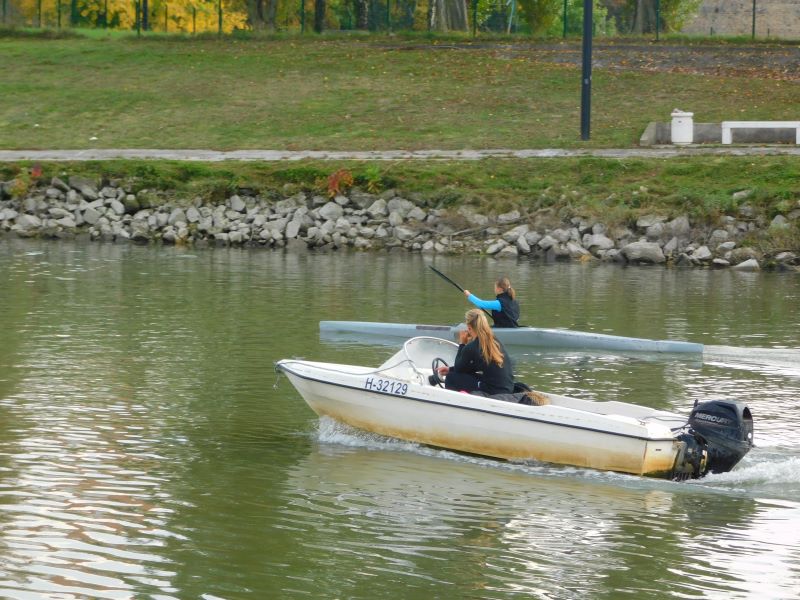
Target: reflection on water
{"type": "Point", "coordinates": [145, 452]}
{"type": "Point", "coordinates": [532, 529]}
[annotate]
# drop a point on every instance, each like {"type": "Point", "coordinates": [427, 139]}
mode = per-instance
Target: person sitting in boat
{"type": "Point", "coordinates": [482, 363]}
{"type": "Point", "coordinates": [505, 308]}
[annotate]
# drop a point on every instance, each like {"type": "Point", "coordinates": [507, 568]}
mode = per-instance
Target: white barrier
{"type": "Point", "coordinates": [727, 126]}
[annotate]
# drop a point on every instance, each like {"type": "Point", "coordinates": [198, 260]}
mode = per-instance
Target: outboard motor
{"type": "Point", "coordinates": [720, 433]}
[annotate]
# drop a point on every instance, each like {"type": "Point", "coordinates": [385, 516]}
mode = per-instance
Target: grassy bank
{"type": "Point", "coordinates": [702, 187]}
{"type": "Point", "coordinates": [354, 93]}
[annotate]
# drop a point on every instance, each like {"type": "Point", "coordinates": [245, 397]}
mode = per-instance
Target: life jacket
{"type": "Point", "coordinates": [509, 313]}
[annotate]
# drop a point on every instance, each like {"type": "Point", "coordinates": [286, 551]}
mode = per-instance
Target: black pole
{"type": "Point", "coordinates": [658, 17]}
{"type": "Point", "coordinates": [59, 14]}
{"type": "Point", "coordinates": [564, 35]}
{"type": "Point", "coordinates": [454, 284]}
{"type": "Point", "coordinates": [39, 13]}
{"type": "Point", "coordinates": [166, 26]}
{"type": "Point", "coordinates": [389, 15]}
{"type": "Point", "coordinates": [586, 71]}
{"type": "Point", "coordinates": [754, 19]}
{"type": "Point", "coordinates": [138, 18]}
{"type": "Point", "coordinates": [4, 12]}
{"type": "Point", "coordinates": [105, 14]}
{"type": "Point", "coordinates": [219, 18]}
{"type": "Point", "coordinates": [302, 16]}
{"type": "Point", "coordinates": [194, 19]}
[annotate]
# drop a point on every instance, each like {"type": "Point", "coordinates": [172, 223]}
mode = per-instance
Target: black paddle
{"type": "Point", "coordinates": [451, 282]}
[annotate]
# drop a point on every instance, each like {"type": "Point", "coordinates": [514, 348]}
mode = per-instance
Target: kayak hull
{"type": "Point", "coordinates": [533, 337]}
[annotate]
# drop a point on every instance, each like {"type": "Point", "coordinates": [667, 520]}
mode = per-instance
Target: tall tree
{"type": "Point", "coordinates": [644, 19]}
{"type": "Point", "coordinates": [362, 13]}
{"type": "Point", "coordinates": [319, 15]}
{"type": "Point", "coordinates": [261, 14]}
{"type": "Point", "coordinates": [448, 15]}
{"type": "Point", "coordinates": [672, 15]}
{"type": "Point", "coordinates": [541, 14]}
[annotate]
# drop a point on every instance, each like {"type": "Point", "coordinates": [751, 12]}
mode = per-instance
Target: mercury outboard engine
{"type": "Point", "coordinates": [720, 433]}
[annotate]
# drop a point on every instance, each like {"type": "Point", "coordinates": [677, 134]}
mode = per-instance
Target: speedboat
{"type": "Point", "coordinates": [535, 337]}
{"type": "Point", "coordinates": [397, 399]}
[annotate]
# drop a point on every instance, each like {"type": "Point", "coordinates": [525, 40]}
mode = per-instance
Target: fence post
{"type": "Point", "coordinates": [105, 14]}
{"type": "Point", "coordinates": [166, 23]}
{"type": "Point", "coordinates": [564, 34]}
{"type": "Point", "coordinates": [194, 19]}
{"type": "Point", "coordinates": [389, 15]}
{"type": "Point", "coordinates": [658, 17]}
{"type": "Point", "coordinates": [138, 18]}
{"type": "Point", "coordinates": [4, 12]}
{"type": "Point", "coordinates": [754, 19]}
{"type": "Point", "coordinates": [58, 20]}
{"type": "Point", "coordinates": [219, 18]}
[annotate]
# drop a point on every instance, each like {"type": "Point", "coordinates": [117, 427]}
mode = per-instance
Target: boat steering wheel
{"type": "Point", "coordinates": [438, 362]}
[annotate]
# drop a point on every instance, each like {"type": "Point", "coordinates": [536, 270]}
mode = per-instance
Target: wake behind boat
{"type": "Point", "coordinates": [397, 400]}
{"type": "Point", "coordinates": [534, 337]}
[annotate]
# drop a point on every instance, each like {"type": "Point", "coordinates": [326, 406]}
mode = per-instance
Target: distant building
{"type": "Point", "coordinates": [774, 18]}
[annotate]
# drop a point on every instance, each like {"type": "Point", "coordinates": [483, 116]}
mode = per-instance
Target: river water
{"type": "Point", "coordinates": [146, 452]}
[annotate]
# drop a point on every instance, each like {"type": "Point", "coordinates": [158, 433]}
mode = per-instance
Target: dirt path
{"type": "Point", "coordinates": [764, 61]}
{"type": "Point", "coordinates": [286, 155]}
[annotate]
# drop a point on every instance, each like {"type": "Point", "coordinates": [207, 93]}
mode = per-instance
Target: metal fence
{"type": "Point", "coordinates": [770, 18]}
{"type": "Point", "coordinates": [227, 16]}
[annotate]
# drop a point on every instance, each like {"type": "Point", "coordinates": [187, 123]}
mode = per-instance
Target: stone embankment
{"type": "Point", "coordinates": [362, 221]}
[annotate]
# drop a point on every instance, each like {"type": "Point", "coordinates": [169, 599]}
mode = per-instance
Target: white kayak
{"type": "Point", "coordinates": [396, 399]}
{"type": "Point", "coordinates": [535, 337]}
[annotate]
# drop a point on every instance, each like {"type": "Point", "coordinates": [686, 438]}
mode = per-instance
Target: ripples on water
{"type": "Point", "coordinates": [543, 524]}
{"type": "Point", "coordinates": [144, 451]}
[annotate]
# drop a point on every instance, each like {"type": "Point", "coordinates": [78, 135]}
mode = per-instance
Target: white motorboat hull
{"type": "Point", "coordinates": [487, 430]}
{"type": "Point", "coordinates": [535, 337]}
{"type": "Point", "coordinates": [397, 401]}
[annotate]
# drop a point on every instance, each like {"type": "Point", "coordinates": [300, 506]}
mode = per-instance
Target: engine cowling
{"type": "Point", "coordinates": [719, 435]}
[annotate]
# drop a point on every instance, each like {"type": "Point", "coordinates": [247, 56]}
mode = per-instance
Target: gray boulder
{"type": "Point", "coordinates": [751, 264]}
{"type": "Point", "coordinates": [378, 209]}
{"type": "Point", "coordinates": [28, 222]}
{"type": "Point", "coordinates": [404, 234]}
{"type": "Point", "coordinates": [597, 241]}
{"type": "Point", "coordinates": [509, 217]}
{"type": "Point", "coordinates": [331, 211]}
{"type": "Point", "coordinates": [237, 204]}
{"type": "Point", "coordinates": [91, 215]}
{"type": "Point", "coordinates": [702, 254]}
{"type": "Point", "coordinates": [645, 252]}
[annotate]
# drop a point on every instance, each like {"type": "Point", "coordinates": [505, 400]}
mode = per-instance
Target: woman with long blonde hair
{"type": "Point", "coordinates": [505, 308]}
{"type": "Point", "coordinates": [482, 363]}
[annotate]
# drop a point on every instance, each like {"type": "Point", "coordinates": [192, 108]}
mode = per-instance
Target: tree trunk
{"type": "Point", "coordinates": [319, 15]}
{"type": "Point", "coordinates": [255, 14]}
{"type": "Point", "coordinates": [271, 15]}
{"type": "Point", "coordinates": [144, 14]}
{"type": "Point", "coordinates": [449, 15]}
{"type": "Point", "coordinates": [644, 21]}
{"type": "Point", "coordinates": [362, 14]}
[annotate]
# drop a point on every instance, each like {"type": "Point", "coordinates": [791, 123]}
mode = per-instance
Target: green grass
{"type": "Point", "coordinates": [339, 93]}
{"type": "Point", "coordinates": [615, 190]}
{"type": "Point", "coordinates": [401, 92]}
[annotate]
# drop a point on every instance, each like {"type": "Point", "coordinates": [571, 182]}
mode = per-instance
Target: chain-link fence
{"type": "Point", "coordinates": [548, 17]}
{"type": "Point", "coordinates": [778, 18]}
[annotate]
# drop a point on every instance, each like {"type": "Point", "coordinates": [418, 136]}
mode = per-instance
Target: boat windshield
{"type": "Point", "coordinates": [416, 357]}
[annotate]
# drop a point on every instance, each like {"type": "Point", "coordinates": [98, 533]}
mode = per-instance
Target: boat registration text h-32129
{"type": "Point", "coordinates": [387, 386]}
